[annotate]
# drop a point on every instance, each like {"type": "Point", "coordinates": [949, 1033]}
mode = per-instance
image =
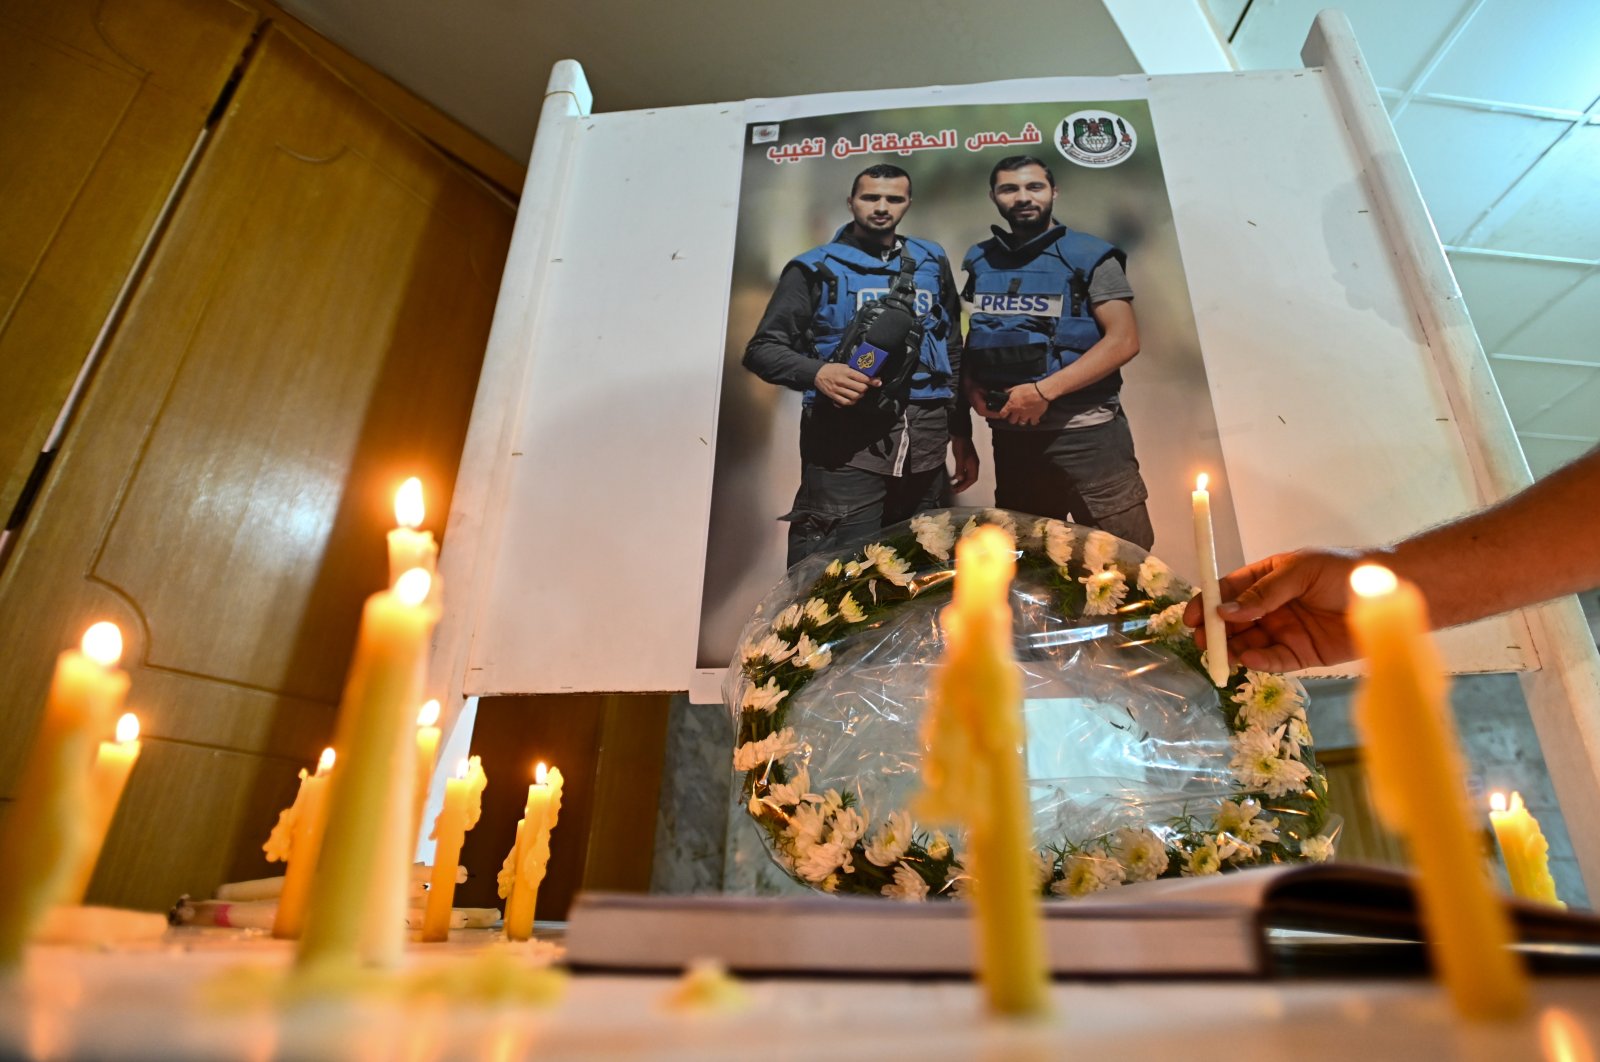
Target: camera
{"type": "Point", "coordinates": [996, 397]}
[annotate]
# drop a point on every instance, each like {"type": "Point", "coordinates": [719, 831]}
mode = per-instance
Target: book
{"type": "Point", "coordinates": [1291, 920]}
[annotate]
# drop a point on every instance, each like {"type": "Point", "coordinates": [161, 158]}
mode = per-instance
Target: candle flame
{"type": "Point", "coordinates": [102, 643]}
{"type": "Point", "coordinates": [1201, 481]}
{"type": "Point", "coordinates": [1497, 801]}
{"type": "Point", "coordinates": [408, 510]}
{"type": "Point", "coordinates": [539, 773]}
{"type": "Point", "coordinates": [325, 761]}
{"type": "Point", "coordinates": [128, 728]}
{"type": "Point", "coordinates": [429, 714]}
{"type": "Point", "coordinates": [1563, 1037]}
{"type": "Point", "coordinates": [1373, 580]}
{"type": "Point", "coordinates": [462, 767]}
{"type": "Point", "coordinates": [413, 585]}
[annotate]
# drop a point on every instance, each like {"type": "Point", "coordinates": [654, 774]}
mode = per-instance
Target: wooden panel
{"type": "Point", "coordinates": [103, 100]}
{"type": "Point", "coordinates": [633, 744]}
{"type": "Point", "coordinates": [308, 332]}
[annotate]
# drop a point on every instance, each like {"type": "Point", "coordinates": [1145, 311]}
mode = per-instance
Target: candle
{"type": "Point", "coordinates": [463, 802]}
{"type": "Point", "coordinates": [112, 765]}
{"type": "Point", "coordinates": [1205, 547]}
{"type": "Point", "coordinates": [973, 770]}
{"type": "Point", "coordinates": [44, 833]}
{"type": "Point", "coordinates": [1414, 768]}
{"type": "Point", "coordinates": [427, 755]}
{"type": "Point", "coordinates": [356, 910]}
{"type": "Point", "coordinates": [529, 857]}
{"type": "Point", "coordinates": [1524, 849]}
{"type": "Point", "coordinates": [297, 841]}
{"type": "Point", "coordinates": [408, 547]}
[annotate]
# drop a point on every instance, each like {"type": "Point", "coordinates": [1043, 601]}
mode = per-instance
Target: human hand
{"type": "Point", "coordinates": [1025, 406]}
{"type": "Point", "coordinates": [843, 385]}
{"type": "Point", "coordinates": [966, 455]}
{"type": "Point", "coordinates": [1287, 611]}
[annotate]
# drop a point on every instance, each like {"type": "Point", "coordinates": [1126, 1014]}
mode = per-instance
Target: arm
{"type": "Point", "coordinates": [961, 448]}
{"type": "Point", "coordinates": [1288, 611]}
{"type": "Point", "coordinates": [1117, 347]}
{"type": "Point", "coordinates": [774, 352]}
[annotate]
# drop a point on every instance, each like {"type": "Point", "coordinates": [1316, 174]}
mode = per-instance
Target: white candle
{"type": "Point", "coordinates": [427, 756]}
{"type": "Point", "coordinates": [112, 765]}
{"type": "Point", "coordinates": [408, 547]}
{"type": "Point", "coordinates": [1205, 547]}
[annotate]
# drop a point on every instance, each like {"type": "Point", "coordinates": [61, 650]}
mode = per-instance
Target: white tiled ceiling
{"type": "Point", "coordinates": [1497, 104]}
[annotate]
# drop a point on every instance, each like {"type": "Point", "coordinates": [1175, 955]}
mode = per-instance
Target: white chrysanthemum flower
{"type": "Point", "coordinates": [763, 698]}
{"type": "Point", "coordinates": [817, 612]}
{"type": "Point", "coordinates": [847, 826]}
{"type": "Point", "coordinates": [1030, 534]}
{"type": "Point", "coordinates": [788, 619]}
{"type": "Point", "coordinates": [1244, 823]}
{"type": "Point", "coordinates": [890, 564]}
{"type": "Point", "coordinates": [1058, 543]}
{"type": "Point", "coordinates": [1155, 578]}
{"type": "Point", "coordinates": [809, 654]}
{"type": "Point", "coordinates": [936, 534]}
{"type": "Point", "coordinates": [832, 801]}
{"type": "Point", "coordinates": [834, 568]}
{"type": "Point", "coordinates": [1317, 849]}
{"type": "Point", "coordinates": [1103, 592]}
{"type": "Point", "coordinates": [938, 846]}
{"type": "Point", "coordinates": [1044, 867]}
{"type": "Point", "coordinates": [1142, 854]}
{"type": "Point", "coordinates": [908, 885]}
{"type": "Point", "coordinates": [856, 567]}
{"type": "Point", "coordinates": [790, 793]}
{"type": "Point", "coordinates": [1168, 624]}
{"type": "Point", "coordinates": [774, 746]}
{"type": "Point", "coordinates": [773, 647]}
{"type": "Point", "coordinates": [961, 886]}
{"type": "Point", "coordinates": [830, 883]}
{"type": "Point", "coordinates": [851, 611]}
{"type": "Point", "coordinates": [1267, 700]}
{"type": "Point", "coordinates": [1298, 734]}
{"type": "Point", "coordinates": [969, 527]}
{"type": "Point", "coordinates": [820, 860]}
{"type": "Point", "coordinates": [1203, 860]}
{"type": "Point", "coordinates": [1086, 873]}
{"type": "Point", "coordinates": [1099, 550]}
{"type": "Point", "coordinates": [806, 826]}
{"type": "Point", "coordinates": [891, 841]}
{"type": "Point", "coordinates": [1257, 764]}
{"type": "Point", "coordinates": [1003, 520]}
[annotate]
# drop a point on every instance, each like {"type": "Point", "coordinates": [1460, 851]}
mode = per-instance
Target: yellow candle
{"type": "Point", "coordinates": [358, 894]}
{"type": "Point", "coordinates": [463, 802]}
{"type": "Point", "coordinates": [427, 756]}
{"type": "Point", "coordinates": [1415, 772]}
{"type": "Point", "coordinates": [973, 771]}
{"type": "Point", "coordinates": [408, 547]}
{"type": "Point", "coordinates": [1524, 848]}
{"type": "Point", "coordinates": [297, 841]}
{"type": "Point", "coordinates": [525, 866]}
{"type": "Point", "coordinates": [45, 832]}
{"type": "Point", "coordinates": [112, 765]}
{"type": "Point", "coordinates": [1205, 547]}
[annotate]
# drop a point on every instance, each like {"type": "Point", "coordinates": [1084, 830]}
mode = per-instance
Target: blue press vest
{"type": "Point", "coordinates": [850, 277]}
{"type": "Point", "coordinates": [1025, 297]}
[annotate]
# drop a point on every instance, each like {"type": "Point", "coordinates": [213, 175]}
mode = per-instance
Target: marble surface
{"type": "Point", "coordinates": [159, 1003]}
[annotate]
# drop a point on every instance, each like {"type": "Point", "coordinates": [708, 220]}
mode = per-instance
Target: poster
{"type": "Point", "coordinates": [797, 179]}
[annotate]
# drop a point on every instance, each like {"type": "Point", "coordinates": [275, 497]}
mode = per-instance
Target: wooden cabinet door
{"type": "Point", "coordinates": [308, 333]}
{"type": "Point", "coordinates": [101, 102]}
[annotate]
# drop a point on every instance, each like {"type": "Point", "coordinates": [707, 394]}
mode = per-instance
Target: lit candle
{"type": "Point", "coordinates": [973, 771]}
{"type": "Point", "coordinates": [463, 802]}
{"type": "Point", "coordinates": [297, 841]}
{"type": "Point", "coordinates": [358, 894]}
{"type": "Point", "coordinates": [1524, 848]}
{"type": "Point", "coordinates": [1205, 547]}
{"type": "Point", "coordinates": [45, 832]}
{"type": "Point", "coordinates": [1414, 767]}
{"type": "Point", "coordinates": [427, 756]}
{"type": "Point", "coordinates": [408, 547]}
{"type": "Point", "coordinates": [525, 865]}
{"type": "Point", "coordinates": [112, 765]}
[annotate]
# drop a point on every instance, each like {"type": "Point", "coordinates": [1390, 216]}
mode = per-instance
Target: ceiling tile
{"type": "Point", "coordinates": [1555, 209]}
{"type": "Point", "coordinates": [1567, 328]}
{"type": "Point", "coordinates": [1505, 295]}
{"type": "Point", "coordinates": [1546, 455]}
{"type": "Point", "coordinates": [1225, 14]}
{"type": "Point", "coordinates": [1551, 399]}
{"type": "Point", "coordinates": [1397, 39]}
{"type": "Point", "coordinates": [1465, 159]}
{"type": "Point", "coordinates": [1541, 54]}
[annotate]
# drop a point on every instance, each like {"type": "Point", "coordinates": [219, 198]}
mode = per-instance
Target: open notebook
{"type": "Point", "coordinates": [1261, 921]}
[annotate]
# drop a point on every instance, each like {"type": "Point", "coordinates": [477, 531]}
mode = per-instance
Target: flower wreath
{"type": "Point", "coordinates": [1278, 812]}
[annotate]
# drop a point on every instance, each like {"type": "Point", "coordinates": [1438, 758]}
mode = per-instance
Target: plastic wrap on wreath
{"type": "Point", "coordinates": [1137, 765]}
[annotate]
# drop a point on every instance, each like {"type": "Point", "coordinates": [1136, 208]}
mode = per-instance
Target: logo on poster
{"type": "Point", "coordinates": [763, 134]}
{"type": "Point", "coordinates": [1096, 138]}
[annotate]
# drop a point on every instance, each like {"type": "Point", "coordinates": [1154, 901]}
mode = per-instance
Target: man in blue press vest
{"type": "Point", "coordinates": [876, 425]}
{"type": "Point", "coordinates": [1052, 324]}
